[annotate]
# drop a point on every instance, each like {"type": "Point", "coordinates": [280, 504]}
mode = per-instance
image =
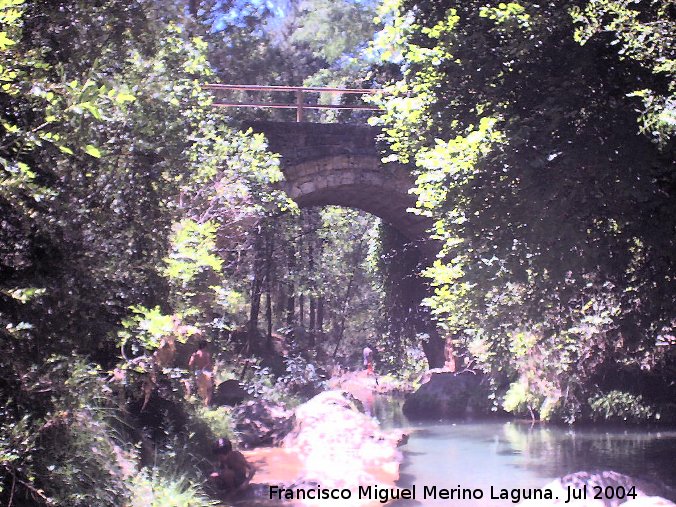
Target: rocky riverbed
{"type": "Point", "coordinates": [333, 445]}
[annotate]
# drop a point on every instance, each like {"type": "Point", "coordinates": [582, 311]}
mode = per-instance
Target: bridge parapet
{"type": "Point", "coordinates": [300, 142]}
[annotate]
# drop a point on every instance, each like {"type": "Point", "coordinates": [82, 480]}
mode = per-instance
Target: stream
{"type": "Point", "coordinates": [509, 454]}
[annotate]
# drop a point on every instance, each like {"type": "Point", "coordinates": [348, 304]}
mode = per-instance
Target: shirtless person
{"type": "Point", "coordinates": [368, 360]}
{"type": "Point", "coordinates": [234, 471]}
{"type": "Point", "coordinates": [200, 363]}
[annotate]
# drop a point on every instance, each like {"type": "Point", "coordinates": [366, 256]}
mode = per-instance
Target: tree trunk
{"type": "Point", "coordinates": [301, 310]}
{"type": "Point", "coordinates": [291, 297]}
{"type": "Point", "coordinates": [313, 305]}
{"type": "Point", "coordinates": [320, 314]}
{"type": "Point", "coordinates": [193, 7]}
{"type": "Point", "coordinates": [256, 290]}
{"type": "Point", "coordinates": [434, 348]}
{"type": "Point", "coordinates": [290, 306]}
{"type": "Point", "coordinates": [311, 269]}
{"type": "Point", "coordinates": [268, 285]}
{"type": "Point", "coordinates": [313, 310]}
{"type": "Point", "coordinates": [346, 302]}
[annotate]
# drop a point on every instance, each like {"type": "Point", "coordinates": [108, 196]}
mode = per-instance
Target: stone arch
{"type": "Point", "coordinates": [359, 182]}
{"type": "Point", "coordinates": [339, 164]}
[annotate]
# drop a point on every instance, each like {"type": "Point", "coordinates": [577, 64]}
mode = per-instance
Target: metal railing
{"type": "Point", "coordinates": [300, 105]}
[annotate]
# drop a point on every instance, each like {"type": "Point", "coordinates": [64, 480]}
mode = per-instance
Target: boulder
{"type": "Point", "coordinates": [445, 394]}
{"type": "Point", "coordinates": [335, 445]}
{"type": "Point", "coordinates": [229, 393]}
{"type": "Point", "coordinates": [259, 422]}
{"type": "Point", "coordinates": [649, 501]}
{"type": "Point", "coordinates": [330, 428]}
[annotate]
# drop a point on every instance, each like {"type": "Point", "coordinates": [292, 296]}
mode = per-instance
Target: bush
{"type": "Point", "coordinates": [619, 406]}
{"type": "Point", "coordinates": [520, 400]}
{"type": "Point", "coordinates": [70, 455]}
{"type": "Point", "coordinates": [152, 489]}
{"type": "Point", "coordinates": [218, 420]}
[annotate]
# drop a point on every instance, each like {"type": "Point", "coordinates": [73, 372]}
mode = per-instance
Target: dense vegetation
{"type": "Point", "coordinates": [556, 216]}
{"type": "Point", "coordinates": [542, 138]}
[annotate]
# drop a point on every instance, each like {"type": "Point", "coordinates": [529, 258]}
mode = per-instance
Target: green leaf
{"type": "Point", "coordinates": [93, 151]}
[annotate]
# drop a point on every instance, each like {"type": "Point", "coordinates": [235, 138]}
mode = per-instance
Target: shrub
{"type": "Point", "coordinates": [218, 420]}
{"type": "Point", "coordinates": [69, 455]}
{"type": "Point", "coordinates": [520, 400]}
{"type": "Point", "coordinates": [151, 488]}
{"type": "Point", "coordinates": [619, 406]}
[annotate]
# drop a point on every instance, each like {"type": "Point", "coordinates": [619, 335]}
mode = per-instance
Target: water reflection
{"type": "Point", "coordinates": [481, 454]}
{"type": "Point", "coordinates": [515, 455]}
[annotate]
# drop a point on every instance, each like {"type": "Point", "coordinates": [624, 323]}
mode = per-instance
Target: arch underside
{"type": "Point", "coordinates": [360, 183]}
{"type": "Point", "coordinates": [391, 208]}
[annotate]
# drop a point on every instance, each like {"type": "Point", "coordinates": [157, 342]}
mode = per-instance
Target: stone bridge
{"type": "Point", "coordinates": [339, 164]}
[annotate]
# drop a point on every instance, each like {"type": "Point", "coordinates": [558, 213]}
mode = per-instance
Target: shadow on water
{"type": "Point", "coordinates": [507, 454]}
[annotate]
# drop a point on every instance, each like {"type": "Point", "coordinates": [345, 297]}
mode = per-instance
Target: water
{"type": "Point", "coordinates": [503, 454]}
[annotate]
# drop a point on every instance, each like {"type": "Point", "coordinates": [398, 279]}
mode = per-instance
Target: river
{"type": "Point", "coordinates": [508, 454]}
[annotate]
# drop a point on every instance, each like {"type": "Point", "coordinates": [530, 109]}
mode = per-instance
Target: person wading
{"type": "Point", "coordinates": [234, 471]}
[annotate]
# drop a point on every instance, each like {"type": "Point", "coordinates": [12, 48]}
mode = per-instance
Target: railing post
{"type": "Point", "coordinates": [300, 115]}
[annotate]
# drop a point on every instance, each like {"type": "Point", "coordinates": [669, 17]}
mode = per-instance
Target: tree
{"type": "Point", "coordinates": [555, 215]}
{"type": "Point", "coordinates": [115, 175]}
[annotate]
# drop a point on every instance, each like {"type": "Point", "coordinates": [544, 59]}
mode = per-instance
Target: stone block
{"type": "Point", "coordinates": [347, 178]}
{"type": "Point", "coordinates": [321, 182]}
{"type": "Point", "coordinates": [307, 187]}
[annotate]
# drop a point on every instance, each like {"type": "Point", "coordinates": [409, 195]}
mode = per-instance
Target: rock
{"type": "Point", "coordinates": [229, 393]}
{"type": "Point", "coordinates": [649, 501]}
{"type": "Point", "coordinates": [335, 445]}
{"type": "Point", "coordinates": [330, 429]}
{"type": "Point", "coordinates": [445, 394]}
{"type": "Point", "coordinates": [259, 423]}
{"type": "Point", "coordinates": [364, 386]}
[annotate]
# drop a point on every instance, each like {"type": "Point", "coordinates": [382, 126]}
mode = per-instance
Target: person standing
{"type": "Point", "coordinates": [368, 360]}
{"type": "Point", "coordinates": [202, 366]}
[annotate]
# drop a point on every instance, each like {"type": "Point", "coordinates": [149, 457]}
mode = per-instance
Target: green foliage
{"type": "Point", "coordinates": [109, 140]}
{"type": "Point", "coordinates": [642, 31]}
{"type": "Point", "coordinates": [64, 450]}
{"type": "Point", "coordinates": [348, 277]}
{"type": "Point", "coordinates": [87, 187]}
{"type": "Point", "coordinates": [299, 374]}
{"type": "Point", "coordinates": [151, 488]}
{"type": "Point", "coordinates": [506, 13]}
{"type": "Point", "coordinates": [519, 400]}
{"type": "Point", "coordinates": [332, 29]}
{"type": "Point", "coordinates": [218, 420]}
{"type": "Point", "coordinates": [146, 328]}
{"type": "Point", "coordinates": [395, 266]}
{"type": "Point", "coordinates": [192, 244]}
{"type": "Point", "coordinates": [620, 406]}
{"type": "Point", "coordinates": [525, 146]}
{"type": "Point", "coordinates": [411, 367]}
